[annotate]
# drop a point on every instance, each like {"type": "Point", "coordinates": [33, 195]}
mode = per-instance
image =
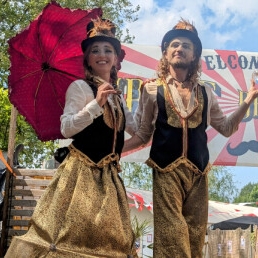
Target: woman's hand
{"type": "Point", "coordinates": [103, 91]}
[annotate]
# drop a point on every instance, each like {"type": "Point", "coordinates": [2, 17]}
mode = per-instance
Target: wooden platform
{"type": "Point", "coordinates": [21, 196]}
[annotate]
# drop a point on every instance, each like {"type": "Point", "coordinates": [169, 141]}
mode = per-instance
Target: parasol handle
{"type": "Point", "coordinates": [6, 164]}
{"type": "Point", "coordinates": [99, 81]}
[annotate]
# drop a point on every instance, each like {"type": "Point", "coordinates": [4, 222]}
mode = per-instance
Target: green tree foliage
{"type": "Point", "coordinates": [221, 185]}
{"type": "Point", "coordinates": [248, 194]}
{"type": "Point", "coordinates": [5, 111]}
{"type": "Point", "coordinates": [136, 175]}
{"type": "Point", "coordinates": [34, 151]}
{"type": "Point", "coordinates": [16, 15]}
{"type": "Point", "coordinates": [254, 194]}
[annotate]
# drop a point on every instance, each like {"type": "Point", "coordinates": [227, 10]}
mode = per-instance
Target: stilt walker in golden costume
{"type": "Point", "coordinates": [175, 110]}
{"type": "Point", "coordinates": [84, 212]}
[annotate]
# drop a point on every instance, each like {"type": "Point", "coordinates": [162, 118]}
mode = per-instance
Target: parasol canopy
{"type": "Point", "coordinates": [45, 58]}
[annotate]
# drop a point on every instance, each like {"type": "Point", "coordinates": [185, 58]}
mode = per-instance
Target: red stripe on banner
{"type": "Point", "coordinates": [224, 158]}
{"type": "Point", "coordinates": [211, 133]}
{"type": "Point", "coordinates": [230, 96]}
{"type": "Point", "coordinates": [228, 101]}
{"type": "Point", "coordinates": [218, 78]}
{"type": "Point", "coordinates": [123, 75]}
{"type": "Point", "coordinates": [139, 58]}
{"type": "Point", "coordinates": [237, 72]}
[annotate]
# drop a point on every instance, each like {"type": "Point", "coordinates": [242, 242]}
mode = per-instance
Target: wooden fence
{"type": "Point", "coordinates": [21, 195]}
{"type": "Point", "coordinates": [238, 243]}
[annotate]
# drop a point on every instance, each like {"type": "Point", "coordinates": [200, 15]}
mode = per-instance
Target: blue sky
{"type": "Point", "coordinates": [221, 24]}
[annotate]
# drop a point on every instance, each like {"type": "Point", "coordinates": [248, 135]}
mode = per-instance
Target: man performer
{"type": "Point", "coordinates": [174, 111]}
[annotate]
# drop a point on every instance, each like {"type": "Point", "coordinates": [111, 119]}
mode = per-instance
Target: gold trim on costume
{"type": "Point", "coordinates": [113, 117]}
{"type": "Point", "coordinates": [174, 119]}
{"type": "Point", "coordinates": [179, 161]}
{"type": "Point", "coordinates": [111, 158]}
{"type": "Point", "coordinates": [113, 114]}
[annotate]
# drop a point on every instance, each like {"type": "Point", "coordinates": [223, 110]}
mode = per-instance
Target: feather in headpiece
{"type": "Point", "coordinates": [185, 25]}
{"type": "Point", "coordinates": [102, 28]}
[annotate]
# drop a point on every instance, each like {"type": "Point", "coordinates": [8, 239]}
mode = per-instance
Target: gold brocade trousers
{"type": "Point", "coordinates": [84, 212]}
{"type": "Point", "coordinates": [180, 206]}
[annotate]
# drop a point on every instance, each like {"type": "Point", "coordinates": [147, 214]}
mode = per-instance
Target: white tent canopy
{"type": "Point", "coordinates": [217, 212]}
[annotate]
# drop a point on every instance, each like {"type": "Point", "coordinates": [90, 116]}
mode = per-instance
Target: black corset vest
{"type": "Point", "coordinates": [167, 140]}
{"type": "Point", "coordinates": [96, 140]}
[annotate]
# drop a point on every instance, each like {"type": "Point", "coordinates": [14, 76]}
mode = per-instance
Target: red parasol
{"type": "Point", "coordinates": [45, 58]}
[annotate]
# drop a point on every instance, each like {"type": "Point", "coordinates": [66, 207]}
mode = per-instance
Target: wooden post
{"type": "Point", "coordinates": [11, 146]}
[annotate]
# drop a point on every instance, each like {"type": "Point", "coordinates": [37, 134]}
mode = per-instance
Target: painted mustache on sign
{"type": "Point", "coordinates": [242, 148]}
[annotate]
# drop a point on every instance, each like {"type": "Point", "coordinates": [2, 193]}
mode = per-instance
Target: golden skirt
{"type": "Point", "coordinates": [84, 212]}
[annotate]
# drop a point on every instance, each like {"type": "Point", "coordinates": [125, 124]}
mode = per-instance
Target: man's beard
{"type": "Point", "coordinates": [181, 65]}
